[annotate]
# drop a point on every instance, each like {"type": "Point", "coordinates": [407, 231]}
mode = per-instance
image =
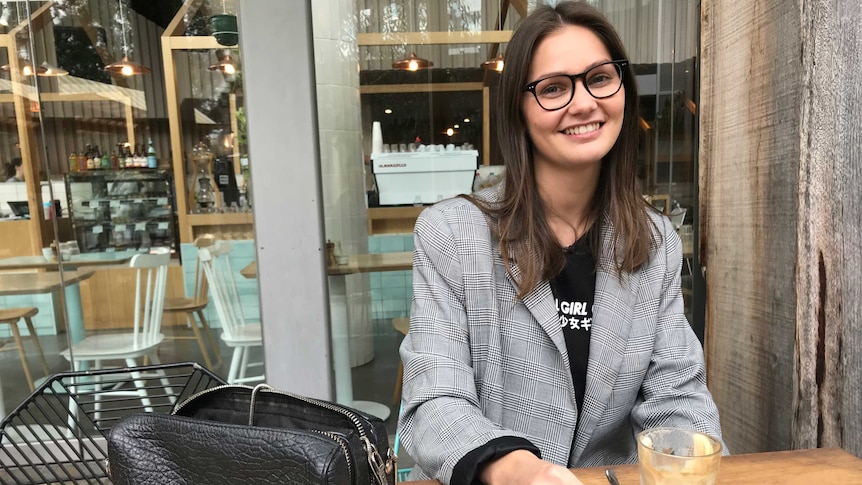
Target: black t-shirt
{"type": "Point", "coordinates": [574, 290]}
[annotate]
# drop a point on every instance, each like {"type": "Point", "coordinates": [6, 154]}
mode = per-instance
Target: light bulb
{"type": "Point", "coordinates": [27, 71]}
{"type": "Point", "coordinates": [456, 126]}
{"type": "Point", "coordinates": [229, 69]}
{"type": "Point", "coordinates": [387, 111]}
{"type": "Point", "coordinates": [499, 66]}
{"type": "Point", "coordinates": [413, 66]}
{"type": "Point", "coordinates": [450, 132]}
{"type": "Point", "coordinates": [127, 71]}
{"type": "Point", "coordinates": [466, 120]}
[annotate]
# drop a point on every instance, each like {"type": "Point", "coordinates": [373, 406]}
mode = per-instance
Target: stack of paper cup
{"type": "Point", "coordinates": [376, 138]}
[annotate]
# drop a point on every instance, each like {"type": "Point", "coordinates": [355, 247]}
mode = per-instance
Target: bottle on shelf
{"type": "Point", "coordinates": [140, 159]}
{"type": "Point", "coordinates": [152, 161]}
{"type": "Point", "coordinates": [73, 162]}
{"type": "Point", "coordinates": [82, 162]}
{"type": "Point", "coordinates": [105, 161]}
{"type": "Point", "coordinates": [115, 160]}
{"type": "Point", "coordinates": [130, 160]}
{"type": "Point", "coordinates": [91, 165]}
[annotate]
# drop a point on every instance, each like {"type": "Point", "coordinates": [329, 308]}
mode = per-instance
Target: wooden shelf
{"type": "Point", "coordinates": [220, 219]}
{"type": "Point", "coordinates": [392, 220]}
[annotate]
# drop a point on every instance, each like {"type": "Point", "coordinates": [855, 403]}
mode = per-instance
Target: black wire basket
{"type": "Point", "coordinates": [58, 434]}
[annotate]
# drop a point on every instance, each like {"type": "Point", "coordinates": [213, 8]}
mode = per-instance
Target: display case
{"type": "Point", "coordinates": [122, 209]}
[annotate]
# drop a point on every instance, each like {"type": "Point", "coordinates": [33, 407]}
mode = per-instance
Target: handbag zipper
{"type": "Point", "coordinates": [343, 445]}
{"type": "Point", "coordinates": [375, 462]}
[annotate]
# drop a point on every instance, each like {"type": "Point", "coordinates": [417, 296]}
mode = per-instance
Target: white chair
{"type": "Point", "coordinates": [237, 333]}
{"type": "Point", "coordinates": [143, 340]}
{"type": "Point", "coordinates": [677, 216]}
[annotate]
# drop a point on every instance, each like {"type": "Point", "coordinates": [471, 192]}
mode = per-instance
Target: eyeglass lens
{"type": "Point", "coordinates": [601, 81]}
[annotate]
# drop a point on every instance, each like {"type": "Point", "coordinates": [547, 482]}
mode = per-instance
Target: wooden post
{"type": "Point", "coordinates": [781, 220]}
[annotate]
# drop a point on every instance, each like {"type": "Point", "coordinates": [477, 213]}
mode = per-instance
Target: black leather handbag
{"type": "Point", "coordinates": [240, 434]}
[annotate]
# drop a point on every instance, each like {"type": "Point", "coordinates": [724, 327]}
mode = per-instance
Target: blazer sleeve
{"type": "Point", "coordinates": [674, 391]}
{"type": "Point", "coordinates": [441, 420]}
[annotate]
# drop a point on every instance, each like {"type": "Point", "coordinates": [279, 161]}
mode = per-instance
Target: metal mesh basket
{"type": "Point", "coordinates": [58, 434]}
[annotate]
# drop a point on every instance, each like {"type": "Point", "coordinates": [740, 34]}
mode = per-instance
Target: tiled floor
{"type": "Point", "coordinates": [374, 381]}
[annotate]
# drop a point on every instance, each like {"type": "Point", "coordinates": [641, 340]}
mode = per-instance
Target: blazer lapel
{"type": "Point", "coordinates": [540, 303]}
{"type": "Point", "coordinates": [613, 309]}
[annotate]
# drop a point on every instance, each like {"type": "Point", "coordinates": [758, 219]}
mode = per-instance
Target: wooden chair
{"type": "Point", "coordinates": [11, 317]}
{"type": "Point", "coordinates": [237, 333]}
{"type": "Point", "coordinates": [402, 325]}
{"type": "Point", "coordinates": [194, 306]}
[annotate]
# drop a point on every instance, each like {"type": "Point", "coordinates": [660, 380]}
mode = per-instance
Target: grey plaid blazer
{"type": "Point", "coordinates": [479, 363]}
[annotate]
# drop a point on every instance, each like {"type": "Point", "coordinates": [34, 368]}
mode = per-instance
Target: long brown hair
{"type": "Point", "coordinates": [518, 217]}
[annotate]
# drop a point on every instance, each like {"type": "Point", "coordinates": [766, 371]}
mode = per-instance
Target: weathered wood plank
{"type": "Point", "coordinates": [781, 217]}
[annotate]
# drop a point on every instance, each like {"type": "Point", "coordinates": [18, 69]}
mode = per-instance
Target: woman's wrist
{"type": "Point", "coordinates": [495, 472]}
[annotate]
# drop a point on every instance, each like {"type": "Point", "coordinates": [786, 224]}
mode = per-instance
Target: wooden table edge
{"type": "Point", "coordinates": [814, 463]}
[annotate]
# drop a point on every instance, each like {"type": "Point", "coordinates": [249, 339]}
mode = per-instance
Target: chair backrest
{"type": "Point", "coordinates": [216, 263]}
{"type": "Point", "coordinates": [677, 217]}
{"type": "Point", "coordinates": [150, 282]}
{"type": "Point", "coordinates": [201, 289]}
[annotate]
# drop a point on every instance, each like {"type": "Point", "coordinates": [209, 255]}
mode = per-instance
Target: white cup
{"type": "Point", "coordinates": [48, 254]}
{"type": "Point", "coordinates": [376, 138]}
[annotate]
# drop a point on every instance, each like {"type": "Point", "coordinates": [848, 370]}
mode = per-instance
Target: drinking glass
{"type": "Point", "coordinates": [671, 456]}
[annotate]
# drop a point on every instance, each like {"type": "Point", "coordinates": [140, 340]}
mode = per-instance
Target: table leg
{"type": "Point", "coordinates": [341, 350]}
{"type": "Point", "coordinates": [75, 313]}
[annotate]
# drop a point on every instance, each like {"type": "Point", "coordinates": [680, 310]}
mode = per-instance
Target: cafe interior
{"type": "Point", "coordinates": [129, 118]}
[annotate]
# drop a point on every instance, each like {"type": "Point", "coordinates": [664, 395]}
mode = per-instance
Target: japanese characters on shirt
{"type": "Point", "coordinates": [575, 315]}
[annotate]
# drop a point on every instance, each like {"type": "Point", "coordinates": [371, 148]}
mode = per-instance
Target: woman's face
{"type": "Point", "coordinates": [586, 129]}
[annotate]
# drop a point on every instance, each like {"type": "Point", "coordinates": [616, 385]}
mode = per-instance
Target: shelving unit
{"type": "Point", "coordinates": [227, 225]}
{"type": "Point", "coordinates": [121, 209]}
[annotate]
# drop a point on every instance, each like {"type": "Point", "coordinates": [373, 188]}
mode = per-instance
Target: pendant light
{"type": "Point", "coordinates": [47, 70]}
{"type": "Point", "coordinates": [125, 67]}
{"type": "Point", "coordinates": [412, 63]}
{"type": "Point", "coordinates": [226, 65]}
{"type": "Point", "coordinates": [27, 69]}
{"type": "Point", "coordinates": [496, 64]}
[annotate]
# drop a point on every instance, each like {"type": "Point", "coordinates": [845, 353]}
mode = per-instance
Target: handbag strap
{"type": "Point", "coordinates": [254, 392]}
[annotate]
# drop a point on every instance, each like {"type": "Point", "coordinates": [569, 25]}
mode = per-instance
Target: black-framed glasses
{"type": "Point", "coordinates": [601, 81]}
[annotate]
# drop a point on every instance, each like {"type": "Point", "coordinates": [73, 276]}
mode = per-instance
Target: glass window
{"type": "Point", "coordinates": [424, 92]}
{"type": "Point", "coordinates": [129, 116]}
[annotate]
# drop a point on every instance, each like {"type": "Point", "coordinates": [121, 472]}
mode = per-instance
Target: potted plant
{"type": "Point", "coordinates": [224, 29]}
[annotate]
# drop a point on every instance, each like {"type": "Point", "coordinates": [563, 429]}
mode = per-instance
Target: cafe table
{"type": "Point", "coordinates": [72, 291]}
{"type": "Point", "coordinates": [820, 466]}
{"type": "Point", "coordinates": [37, 283]}
{"type": "Point", "coordinates": [356, 263]}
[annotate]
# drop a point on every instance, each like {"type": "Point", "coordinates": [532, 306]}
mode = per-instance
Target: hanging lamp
{"type": "Point", "coordinates": [48, 70]}
{"type": "Point", "coordinates": [126, 67]}
{"type": "Point", "coordinates": [496, 64]}
{"type": "Point", "coordinates": [226, 65]}
{"type": "Point", "coordinates": [412, 63]}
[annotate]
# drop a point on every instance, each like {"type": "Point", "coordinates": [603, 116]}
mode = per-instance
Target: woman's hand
{"type": "Point", "coordinates": [522, 467]}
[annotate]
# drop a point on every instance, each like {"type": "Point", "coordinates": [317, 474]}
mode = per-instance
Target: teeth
{"type": "Point", "coordinates": [579, 130]}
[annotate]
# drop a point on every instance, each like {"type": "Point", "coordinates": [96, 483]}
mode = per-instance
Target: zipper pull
{"type": "Point", "coordinates": [375, 461]}
{"type": "Point", "coordinates": [254, 392]}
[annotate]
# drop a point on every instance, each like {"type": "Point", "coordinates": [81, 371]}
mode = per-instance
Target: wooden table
{"type": "Point", "coordinates": [76, 261]}
{"type": "Point", "coordinates": [800, 467]}
{"type": "Point", "coordinates": [72, 291]}
{"type": "Point", "coordinates": [35, 283]}
{"type": "Point", "coordinates": [357, 263]}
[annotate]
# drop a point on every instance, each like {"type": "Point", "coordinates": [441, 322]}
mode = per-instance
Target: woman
{"type": "Point", "coordinates": [15, 170]}
{"type": "Point", "coordinates": [547, 326]}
